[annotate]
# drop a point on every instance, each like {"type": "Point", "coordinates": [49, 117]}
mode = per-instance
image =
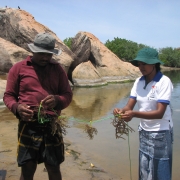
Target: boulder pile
{"type": "Point", "coordinates": [88, 63]}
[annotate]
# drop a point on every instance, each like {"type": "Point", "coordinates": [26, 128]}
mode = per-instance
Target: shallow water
{"type": "Point", "coordinates": [95, 106]}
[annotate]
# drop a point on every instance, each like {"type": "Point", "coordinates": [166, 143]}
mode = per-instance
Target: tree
{"type": "Point", "coordinates": [124, 49]}
{"type": "Point", "coordinates": [68, 42]}
{"type": "Point", "coordinates": [170, 56]}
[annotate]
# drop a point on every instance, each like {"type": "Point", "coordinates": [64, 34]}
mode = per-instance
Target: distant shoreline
{"type": "Point", "coordinates": [164, 68]}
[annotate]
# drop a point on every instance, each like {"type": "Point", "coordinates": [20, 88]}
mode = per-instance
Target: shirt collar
{"type": "Point", "coordinates": [156, 78]}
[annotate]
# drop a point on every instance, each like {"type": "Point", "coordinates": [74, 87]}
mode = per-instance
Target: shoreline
{"type": "Point", "coordinates": [77, 165]}
{"type": "Point", "coordinates": [90, 84]}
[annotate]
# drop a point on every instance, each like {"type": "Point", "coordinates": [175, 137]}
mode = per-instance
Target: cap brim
{"type": "Point", "coordinates": [149, 61]}
{"type": "Point", "coordinates": [37, 49]}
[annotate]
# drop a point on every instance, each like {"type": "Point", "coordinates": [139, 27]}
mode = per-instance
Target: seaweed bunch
{"type": "Point", "coordinates": [121, 127]}
{"type": "Point", "coordinates": [59, 125]}
{"type": "Point", "coordinates": [90, 131]}
{"type": "Point", "coordinates": [42, 116]}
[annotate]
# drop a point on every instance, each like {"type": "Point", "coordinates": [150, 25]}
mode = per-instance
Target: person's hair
{"type": "Point", "coordinates": [157, 66]}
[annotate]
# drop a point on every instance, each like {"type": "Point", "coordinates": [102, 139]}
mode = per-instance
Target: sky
{"type": "Point", "coordinates": [155, 23]}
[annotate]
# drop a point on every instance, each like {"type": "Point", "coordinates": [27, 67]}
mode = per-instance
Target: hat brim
{"type": "Point", "coordinates": [147, 61]}
{"type": "Point", "coordinates": [36, 49]}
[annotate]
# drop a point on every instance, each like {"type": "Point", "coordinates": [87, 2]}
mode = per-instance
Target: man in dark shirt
{"type": "Point", "coordinates": [36, 92]}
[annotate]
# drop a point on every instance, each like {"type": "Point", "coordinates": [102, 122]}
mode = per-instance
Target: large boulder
{"type": "Point", "coordinates": [85, 74]}
{"type": "Point", "coordinates": [20, 28]}
{"type": "Point", "coordinates": [2, 89]}
{"type": "Point", "coordinates": [10, 54]}
{"type": "Point", "coordinates": [87, 63]}
{"type": "Point", "coordinates": [103, 66]}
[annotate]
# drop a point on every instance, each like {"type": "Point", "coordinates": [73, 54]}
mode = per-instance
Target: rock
{"type": "Point", "coordinates": [88, 63]}
{"type": "Point", "coordinates": [81, 46]}
{"type": "Point", "coordinates": [89, 73]}
{"type": "Point", "coordinates": [20, 28]}
{"type": "Point", "coordinates": [2, 89]}
{"type": "Point", "coordinates": [102, 63]}
{"type": "Point", "coordinates": [10, 54]}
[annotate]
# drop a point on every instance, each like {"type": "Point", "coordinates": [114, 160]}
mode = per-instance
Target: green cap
{"type": "Point", "coordinates": [148, 56]}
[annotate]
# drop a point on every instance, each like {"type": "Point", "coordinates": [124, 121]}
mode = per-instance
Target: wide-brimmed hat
{"type": "Point", "coordinates": [148, 56]}
{"type": "Point", "coordinates": [44, 43]}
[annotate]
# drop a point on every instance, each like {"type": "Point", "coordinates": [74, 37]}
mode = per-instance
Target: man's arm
{"type": "Point", "coordinates": [12, 90]}
{"type": "Point", "coordinates": [64, 97]}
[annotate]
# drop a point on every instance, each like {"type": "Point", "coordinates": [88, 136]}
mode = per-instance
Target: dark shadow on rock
{"type": "Point", "coordinates": [3, 174]}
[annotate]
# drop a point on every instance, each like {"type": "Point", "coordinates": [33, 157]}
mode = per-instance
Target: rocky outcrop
{"type": "Point", "coordinates": [87, 63]}
{"type": "Point", "coordinates": [2, 88]}
{"type": "Point", "coordinates": [10, 54]}
{"type": "Point", "coordinates": [19, 27]}
{"type": "Point", "coordinates": [85, 74]}
{"type": "Point", "coordinates": [96, 64]}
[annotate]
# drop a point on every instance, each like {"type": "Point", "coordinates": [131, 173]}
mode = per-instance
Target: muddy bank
{"type": "Point", "coordinates": [77, 165]}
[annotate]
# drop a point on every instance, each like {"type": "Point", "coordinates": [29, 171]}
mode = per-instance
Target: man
{"type": "Point", "coordinates": [36, 92]}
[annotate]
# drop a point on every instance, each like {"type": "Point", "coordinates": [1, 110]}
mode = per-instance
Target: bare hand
{"type": "Point", "coordinates": [117, 111]}
{"type": "Point", "coordinates": [49, 102]}
{"type": "Point", "coordinates": [127, 115]}
{"type": "Point", "coordinates": [25, 112]}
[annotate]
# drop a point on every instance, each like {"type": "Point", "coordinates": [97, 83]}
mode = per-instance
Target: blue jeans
{"type": "Point", "coordinates": [155, 154]}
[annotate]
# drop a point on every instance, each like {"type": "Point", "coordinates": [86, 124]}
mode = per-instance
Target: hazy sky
{"type": "Point", "coordinates": [155, 23]}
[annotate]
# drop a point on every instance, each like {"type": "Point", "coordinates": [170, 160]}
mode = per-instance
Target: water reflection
{"type": "Point", "coordinates": [93, 103]}
{"type": "Point", "coordinates": [174, 76]}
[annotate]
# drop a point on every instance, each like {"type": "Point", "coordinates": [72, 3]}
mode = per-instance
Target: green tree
{"type": "Point", "coordinates": [170, 56]}
{"type": "Point", "coordinates": [124, 49]}
{"type": "Point", "coordinates": [68, 42]}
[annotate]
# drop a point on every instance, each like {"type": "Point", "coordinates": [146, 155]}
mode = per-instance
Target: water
{"type": "Point", "coordinates": [96, 105]}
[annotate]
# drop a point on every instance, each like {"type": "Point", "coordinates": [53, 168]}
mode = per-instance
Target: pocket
{"type": "Point", "coordinates": [144, 141]}
{"type": "Point", "coordinates": [159, 145]}
{"type": "Point", "coordinates": [154, 144]}
{"type": "Point", "coordinates": [158, 139]}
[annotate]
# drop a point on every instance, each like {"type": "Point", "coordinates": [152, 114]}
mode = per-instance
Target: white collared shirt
{"type": "Point", "coordinates": [158, 90]}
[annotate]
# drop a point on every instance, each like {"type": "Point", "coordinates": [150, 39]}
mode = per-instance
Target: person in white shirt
{"type": "Point", "coordinates": [152, 93]}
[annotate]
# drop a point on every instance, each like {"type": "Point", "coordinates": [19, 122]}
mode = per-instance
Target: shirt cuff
{"type": "Point", "coordinates": [14, 110]}
{"type": "Point", "coordinates": [58, 104]}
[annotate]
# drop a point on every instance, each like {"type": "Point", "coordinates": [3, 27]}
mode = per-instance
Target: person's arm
{"type": "Point", "coordinates": [156, 114]}
{"type": "Point", "coordinates": [129, 106]}
{"type": "Point", "coordinates": [10, 97]}
{"type": "Point", "coordinates": [131, 102]}
{"type": "Point", "coordinates": [11, 94]}
{"type": "Point", "coordinates": [64, 97]}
